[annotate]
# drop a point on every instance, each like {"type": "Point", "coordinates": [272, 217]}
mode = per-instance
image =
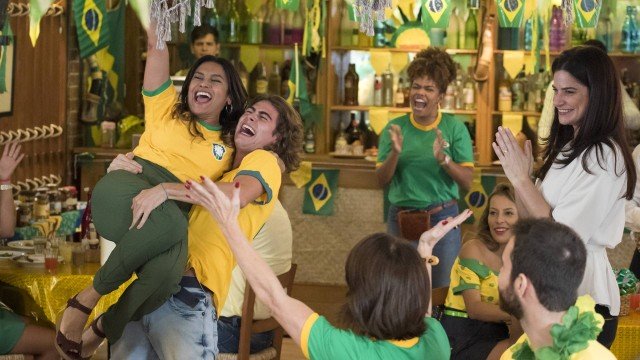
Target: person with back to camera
{"type": "Point", "coordinates": [425, 156]}
{"type": "Point", "coordinates": [144, 213]}
{"type": "Point", "coordinates": [386, 315]}
{"type": "Point", "coordinates": [587, 172]}
{"type": "Point", "coordinates": [542, 268]}
{"type": "Point", "coordinates": [17, 334]}
{"type": "Point", "coordinates": [475, 325]}
{"type": "Point", "coordinates": [204, 41]}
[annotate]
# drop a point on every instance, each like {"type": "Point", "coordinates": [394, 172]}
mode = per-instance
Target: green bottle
{"type": "Point", "coordinates": [233, 18]}
{"type": "Point", "coordinates": [471, 27]}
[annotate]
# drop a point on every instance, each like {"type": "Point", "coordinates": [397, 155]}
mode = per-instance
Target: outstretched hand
{"type": "Point", "coordinates": [10, 159]}
{"type": "Point", "coordinates": [430, 238]}
{"type": "Point", "coordinates": [207, 194]}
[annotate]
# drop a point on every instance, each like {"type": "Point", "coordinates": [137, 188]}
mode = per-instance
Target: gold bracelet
{"type": "Point", "coordinates": [433, 260]}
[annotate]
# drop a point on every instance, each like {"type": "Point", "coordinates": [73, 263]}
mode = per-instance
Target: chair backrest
{"type": "Point", "coordinates": [248, 326]}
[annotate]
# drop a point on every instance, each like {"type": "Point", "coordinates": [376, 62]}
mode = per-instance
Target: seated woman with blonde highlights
{"type": "Point", "coordinates": [388, 298]}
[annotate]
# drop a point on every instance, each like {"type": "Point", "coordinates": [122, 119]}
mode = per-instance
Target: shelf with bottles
{"type": "Point", "coordinates": [394, 109]}
{"type": "Point", "coordinates": [401, 50]}
{"type": "Point", "coordinates": [260, 45]}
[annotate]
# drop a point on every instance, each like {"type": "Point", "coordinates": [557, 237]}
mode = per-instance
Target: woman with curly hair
{"type": "Point", "coordinates": [426, 155]}
{"type": "Point", "coordinates": [475, 325]}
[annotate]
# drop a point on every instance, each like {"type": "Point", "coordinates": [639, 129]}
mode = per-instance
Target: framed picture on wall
{"type": "Point", "coordinates": [7, 72]}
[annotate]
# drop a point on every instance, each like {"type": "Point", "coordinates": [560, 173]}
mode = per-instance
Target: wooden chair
{"type": "Point", "coordinates": [248, 326]}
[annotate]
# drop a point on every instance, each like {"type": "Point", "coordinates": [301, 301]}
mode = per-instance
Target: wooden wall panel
{"type": "Point", "coordinates": [40, 92]}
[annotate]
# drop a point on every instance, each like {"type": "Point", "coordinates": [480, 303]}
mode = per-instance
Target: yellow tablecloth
{"type": "Point", "coordinates": [627, 343]}
{"type": "Point", "coordinates": [51, 291]}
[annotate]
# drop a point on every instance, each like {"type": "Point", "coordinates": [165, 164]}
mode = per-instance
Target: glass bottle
{"type": "Point", "coordinates": [379, 39]}
{"type": "Point", "coordinates": [275, 81]}
{"type": "Point", "coordinates": [452, 31]}
{"type": "Point", "coordinates": [459, 88]}
{"type": "Point", "coordinates": [469, 91]}
{"type": "Point", "coordinates": [262, 83]}
{"type": "Point", "coordinates": [377, 91]}
{"type": "Point", "coordinates": [346, 27]}
{"type": "Point", "coordinates": [223, 21]}
{"type": "Point", "coordinates": [245, 18]}
{"type": "Point", "coordinates": [353, 130]}
{"type": "Point", "coordinates": [254, 32]}
{"type": "Point", "coordinates": [265, 20]}
{"type": "Point", "coordinates": [471, 27]}
{"type": "Point", "coordinates": [399, 96]}
{"type": "Point", "coordinates": [233, 17]}
{"type": "Point", "coordinates": [504, 94]}
{"type": "Point", "coordinates": [629, 33]}
{"type": "Point", "coordinates": [284, 75]}
{"type": "Point", "coordinates": [557, 30]}
{"type": "Point", "coordinates": [341, 146]}
{"type": "Point", "coordinates": [42, 207]}
{"type": "Point", "coordinates": [604, 30]}
{"type": "Point", "coordinates": [297, 31]}
{"type": "Point", "coordinates": [528, 34]}
{"type": "Point", "coordinates": [274, 32]}
{"type": "Point", "coordinates": [387, 87]}
{"type": "Point", "coordinates": [405, 91]}
{"type": "Point", "coordinates": [351, 80]}
{"type": "Point", "coordinates": [310, 142]}
{"type": "Point", "coordinates": [288, 28]}
{"type": "Point", "coordinates": [517, 91]}
{"type": "Point", "coordinates": [449, 98]}
{"type": "Point", "coordinates": [211, 18]}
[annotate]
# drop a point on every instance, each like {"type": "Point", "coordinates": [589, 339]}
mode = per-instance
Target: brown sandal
{"type": "Point", "coordinates": [70, 350]}
{"type": "Point", "coordinates": [94, 327]}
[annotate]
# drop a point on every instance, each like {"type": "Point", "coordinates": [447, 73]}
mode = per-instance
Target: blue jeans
{"type": "Point", "coordinates": [229, 336]}
{"type": "Point", "coordinates": [446, 249]}
{"type": "Point", "coordinates": [173, 331]}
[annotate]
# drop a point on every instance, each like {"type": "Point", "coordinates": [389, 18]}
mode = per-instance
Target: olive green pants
{"type": "Point", "coordinates": [157, 252]}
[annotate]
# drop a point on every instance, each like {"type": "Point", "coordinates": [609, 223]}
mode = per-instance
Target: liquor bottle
{"type": "Point", "coordinates": [557, 30]}
{"type": "Point", "coordinates": [233, 17]}
{"type": "Point", "coordinates": [265, 13]}
{"type": "Point", "coordinates": [459, 88]}
{"type": "Point", "coordinates": [211, 18]}
{"type": "Point", "coordinates": [245, 18]}
{"type": "Point", "coordinates": [353, 130]}
{"type": "Point", "coordinates": [351, 80]}
{"type": "Point", "coordinates": [628, 39]}
{"type": "Point", "coordinates": [288, 28]}
{"type": "Point", "coordinates": [504, 94]}
{"type": "Point", "coordinates": [377, 91]}
{"type": "Point", "coordinates": [387, 87]}
{"type": "Point", "coordinates": [406, 90]}
{"type": "Point", "coordinates": [449, 98]}
{"type": "Point", "coordinates": [223, 21]}
{"type": "Point", "coordinates": [452, 31]}
{"type": "Point", "coordinates": [275, 34]}
{"type": "Point", "coordinates": [310, 142]}
{"type": "Point", "coordinates": [297, 32]}
{"type": "Point", "coordinates": [469, 91]}
{"type": "Point", "coordinates": [254, 33]}
{"type": "Point", "coordinates": [471, 26]}
{"type": "Point", "coordinates": [604, 30]}
{"type": "Point", "coordinates": [399, 96]}
{"type": "Point", "coordinates": [369, 137]}
{"type": "Point", "coordinates": [340, 145]}
{"type": "Point", "coordinates": [275, 81]}
{"type": "Point", "coordinates": [346, 27]}
{"type": "Point", "coordinates": [262, 83]}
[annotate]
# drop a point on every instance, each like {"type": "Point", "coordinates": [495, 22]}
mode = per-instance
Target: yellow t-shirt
{"type": "Point", "coordinates": [209, 253]}
{"type": "Point", "coordinates": [166, 141]}
{"type": "Point", "coordinates": [594, 351]}
{"type": "Point", "coordinates": [467, 274]}
{"type": "Point", "coordinates": [274, 245]}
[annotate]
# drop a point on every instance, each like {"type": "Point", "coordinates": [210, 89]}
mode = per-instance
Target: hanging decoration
{"type": "Point", "coordinates": [314, 35]}
{"type": "Point", "coordinates": [437, 13]}
{"type": "Point", "coordinates": [510, 13]}
{"type": "Point", "coordinates": [587, 12]}
{"type": "Point", "coordinates": [37, 10]}
{"type": "Point", "coordinates": [92, 32]}
{"type": "Point", "coordinates": [567, 11]}
{"type": "Point", "coordinates": [368, 11]}
{"type": "Point", "coordinates": [5, 41]}
{"type": "Point", "coordinates": [167, 12]}
{"type": "Point", "coordinates": [291, 5]}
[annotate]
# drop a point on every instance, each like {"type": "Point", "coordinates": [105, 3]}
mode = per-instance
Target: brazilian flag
{"type": "Point", "coordinates": [111, 62]}
{"type": "Point", "coordinates": [510, 13]}
{"type": "Point", "coordinates": [477, 198]}
{"type": "Point", "coordinates": [292, 5]}
{"type": "Point", "coordinates": [298, 97]}
{"type": "Point", "coordinates": [93, 34]}
{"type": "Point", "coordinates": [437, 13]}
{"type": "Point", "coordinates": [587, 12]}
{"type": "Point", "coordinates": [320, 192]}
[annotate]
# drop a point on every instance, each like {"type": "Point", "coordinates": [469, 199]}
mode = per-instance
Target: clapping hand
{"type": "Point", "coordinates": [438, 147]}
{"type": "Point", "coordinates": [516, 163]}
{"type": "Point", "coordinates": [11, 157]}
{"type": "Point", "coordinates": [430, 238]}
{"type": "Point", "coordinates": [396, 138]}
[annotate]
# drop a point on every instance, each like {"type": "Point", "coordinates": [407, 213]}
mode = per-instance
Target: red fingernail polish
{"type": "Point", "coordinates": [188, 186]}
{"type": "Point", "coordinates": [445, 222]}
{"type": "Point", "coordinates": [201, 177]}
{"type": "Point", "coordinates": [237, 185]}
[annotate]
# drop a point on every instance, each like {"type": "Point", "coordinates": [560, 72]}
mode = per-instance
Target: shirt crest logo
{"type": "Point", "coordinates": [218, 151]}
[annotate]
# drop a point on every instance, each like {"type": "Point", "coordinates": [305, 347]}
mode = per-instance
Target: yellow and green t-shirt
{"type": "Point", "coordinates": [320, 340]}
{"type": "Point", "coordinates": [166, 141]}
{"type": "Point", "coordinates": [419, 180]}
{"type": "Point", "coordinates": [466, 274]}
{"type": "Point", "coordinates": [209, 252]}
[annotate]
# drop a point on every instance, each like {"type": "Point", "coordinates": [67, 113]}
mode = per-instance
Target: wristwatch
{"type": "Point", "coordinates": [4, 187]}
{"type": "Point", "coordinates": [446, 161]}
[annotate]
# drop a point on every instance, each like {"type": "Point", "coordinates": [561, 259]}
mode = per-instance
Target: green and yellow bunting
{"type": "Point", "coordinates": [320, 192]}
{"type": "Point", "coordinates": [93, 34]}
{"type": "Point", "coordinates": [7, 36]}
{"type": "Point", "coordinates": [37, 9]}
{"type": "Point", "coordinates": [436, 13]}
{"type": "Point", "coordinates": [586, 12]}
{"type": "Point", "coordinates": [510, 13]}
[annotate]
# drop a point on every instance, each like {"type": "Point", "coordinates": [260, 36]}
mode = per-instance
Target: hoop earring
{"type": "Point", "coordinates": [229, 108]}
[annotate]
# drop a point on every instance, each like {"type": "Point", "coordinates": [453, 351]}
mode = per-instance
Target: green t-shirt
{"type": "Point", "coordinates": [419, 180]}
{"type": "Point", "coordinates": [320, 340]}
